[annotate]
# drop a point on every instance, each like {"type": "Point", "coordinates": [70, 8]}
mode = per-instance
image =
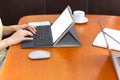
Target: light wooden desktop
{"type": "Point", "coordinates": [75, 63]}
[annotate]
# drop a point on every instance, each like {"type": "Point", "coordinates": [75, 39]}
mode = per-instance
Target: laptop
{"type": "Point", "coordinates": [114, 56]}
{"type": "Point", "coordinates": [50, 35]}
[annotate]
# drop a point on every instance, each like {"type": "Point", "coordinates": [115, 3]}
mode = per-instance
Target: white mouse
{"type": "Point", "coordinates": [39, 54]}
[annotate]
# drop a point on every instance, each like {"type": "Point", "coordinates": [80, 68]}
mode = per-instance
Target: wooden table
{"type": "Point", "coordinates": [76, 63]}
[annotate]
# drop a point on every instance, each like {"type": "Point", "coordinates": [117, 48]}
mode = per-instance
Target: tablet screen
{"type": "Point", "coordinates": [61, 24]}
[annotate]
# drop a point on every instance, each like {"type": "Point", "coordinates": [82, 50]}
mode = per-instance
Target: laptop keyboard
{"type": "Point", "coordinates": [43, 37]}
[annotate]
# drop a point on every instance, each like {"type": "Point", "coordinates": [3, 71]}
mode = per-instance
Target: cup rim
{"type": "Point", "coordinates": [78, 11]}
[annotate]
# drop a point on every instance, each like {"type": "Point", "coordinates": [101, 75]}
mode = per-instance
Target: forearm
{"type": "Point", "coordinates": [4, 44]}
{"type": "Point", "coordinates": [7, 30]}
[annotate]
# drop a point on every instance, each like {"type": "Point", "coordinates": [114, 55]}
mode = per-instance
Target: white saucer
{"type": "Point", "coordinates": [81, 21]}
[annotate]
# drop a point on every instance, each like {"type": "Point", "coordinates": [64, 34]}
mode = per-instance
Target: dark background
{"type": "Point", "coordinates": [12, 10]}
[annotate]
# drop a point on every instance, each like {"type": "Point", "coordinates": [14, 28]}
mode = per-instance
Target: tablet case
{"type": "Point", "coordinates": [70, 39]}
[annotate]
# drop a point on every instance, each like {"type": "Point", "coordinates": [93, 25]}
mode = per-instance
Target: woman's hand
{"type": "Point", "coordinates": [19, 36]}
{"type": "Point", "coordinates": [26, 26]}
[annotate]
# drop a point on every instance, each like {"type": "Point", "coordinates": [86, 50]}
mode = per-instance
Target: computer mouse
{"type": "Point", "coordinates": [39, 54]}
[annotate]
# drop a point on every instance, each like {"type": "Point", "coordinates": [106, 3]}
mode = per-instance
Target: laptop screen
{"type": "Point", "coordinates": [115, 56]}
{"type": "Point", "coordinates": [61, 24]}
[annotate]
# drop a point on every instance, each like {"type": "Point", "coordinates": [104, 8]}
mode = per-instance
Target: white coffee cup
{"type": "Point", "coordinates": [78, 15]}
